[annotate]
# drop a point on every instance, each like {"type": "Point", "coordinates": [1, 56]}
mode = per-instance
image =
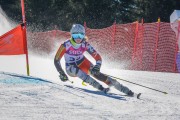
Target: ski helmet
{"type": "Point", "coordinates": [77, 28]}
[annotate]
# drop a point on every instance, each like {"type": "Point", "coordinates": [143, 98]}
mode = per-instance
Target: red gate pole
{"type": "Point", "coordinates": [135, 40]}
{"type": "Point", "coordinates": [142, 29]}
{"type": "Point", "coordinates": [156, 46]}
{"type": "Point", "coordinates": [26, 48]}
{"type": "Point", "coordinates": [85, 26]}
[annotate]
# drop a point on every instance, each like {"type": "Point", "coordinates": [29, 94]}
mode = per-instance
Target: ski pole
{"type": "Point", "coordinates": [136, 84]}
{"type": "Point", "coordinates": [71, 81]}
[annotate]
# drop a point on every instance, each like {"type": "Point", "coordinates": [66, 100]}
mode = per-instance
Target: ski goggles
{"type": "Point", "coordinates": [78, 35]}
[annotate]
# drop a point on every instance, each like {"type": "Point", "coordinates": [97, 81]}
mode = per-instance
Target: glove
{"type": "Point", "coordinates": [63, 77]}
{"type": "Point", "coordinates": [95, 70]}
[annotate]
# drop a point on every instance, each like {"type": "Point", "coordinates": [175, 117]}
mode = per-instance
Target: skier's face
{"type": "Point", "coordinates": [78, 40]}
{"type": "Point", "coordinates": [78, 37]}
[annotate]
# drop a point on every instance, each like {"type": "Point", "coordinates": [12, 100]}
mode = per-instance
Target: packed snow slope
{"type": "Point", "coordinates": [45, 97]}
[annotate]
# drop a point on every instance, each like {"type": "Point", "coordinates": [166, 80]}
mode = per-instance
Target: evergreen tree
{"type": "Point", "coordinates": [43, 15]}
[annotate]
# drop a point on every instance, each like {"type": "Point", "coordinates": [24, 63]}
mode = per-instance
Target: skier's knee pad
{"type": "Point", "coordinates": [118, 86]}
{"type": "Point", "coordinates": [112, 82]}
{"type": "Point", "coordinates": [101, 77]}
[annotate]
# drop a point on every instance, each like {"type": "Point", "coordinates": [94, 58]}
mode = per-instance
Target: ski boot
{"type": "Point", "coordinates": [132, 94]}
{"type": "Point", "coordinates": [106, 90]}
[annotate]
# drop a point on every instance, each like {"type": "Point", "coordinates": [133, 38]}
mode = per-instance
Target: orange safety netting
{"type": "Point", "coordinates": [138, 46]}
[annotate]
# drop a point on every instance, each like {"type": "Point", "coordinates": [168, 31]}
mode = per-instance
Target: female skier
{"type": "Point", "coordinates": [77, 65]}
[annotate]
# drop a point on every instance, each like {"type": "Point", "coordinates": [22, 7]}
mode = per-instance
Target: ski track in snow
{"type": "Point", "coordinates": [32, 98]}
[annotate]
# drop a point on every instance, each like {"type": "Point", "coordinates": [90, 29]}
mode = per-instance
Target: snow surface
{"type": "Point", "coordinates": [47, 98]}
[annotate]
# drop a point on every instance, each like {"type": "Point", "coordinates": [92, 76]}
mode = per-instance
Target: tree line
{"type": "Point", "coordinates": [43, 15]}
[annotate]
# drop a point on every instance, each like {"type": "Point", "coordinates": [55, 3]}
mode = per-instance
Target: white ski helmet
{"type": "Point", "coordinates": [77, 28]}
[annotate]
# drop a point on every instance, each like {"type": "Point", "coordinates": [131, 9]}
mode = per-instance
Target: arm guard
{"type": "Point", "coordinates": [58, 57]}
{"type": "Point", "coordinates": [94, 54]}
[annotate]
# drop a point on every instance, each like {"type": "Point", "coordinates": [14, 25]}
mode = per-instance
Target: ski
{"type": "Point", "coordinates": [107, 92]}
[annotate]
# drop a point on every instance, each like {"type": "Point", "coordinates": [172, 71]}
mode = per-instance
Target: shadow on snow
{"type": "Point", "coordinates": [35, 80]}
{"type": "Point", "coordinates": [111, 95]}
